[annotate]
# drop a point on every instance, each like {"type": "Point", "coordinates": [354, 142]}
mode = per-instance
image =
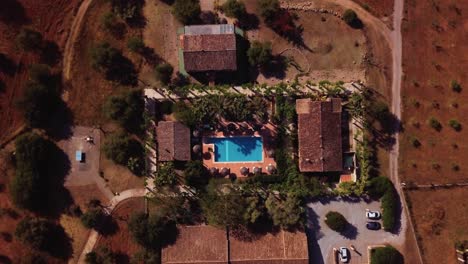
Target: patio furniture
{"type": "Point", "coordinates": [270, 168]}
{"type": "Point", "coordinates": [225, 171]}
{"type": "Point", "coordinates": [244, 170]}
{"type": "Point", "coordinates": [257, 170]}
{"type": "Point", "coordinates": [214, 171]}
{"type": "Point", "coordinates": [196, 149]}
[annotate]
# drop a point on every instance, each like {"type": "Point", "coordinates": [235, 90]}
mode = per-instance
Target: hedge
{"type": "Point", "coordinates": [389, 209]}
{"type": "Point", "coordinates": [386, 255]}
{"type": "Point", "coordinates": [336, 221]}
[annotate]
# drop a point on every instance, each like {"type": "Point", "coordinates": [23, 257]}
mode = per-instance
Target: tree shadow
{"type": "Point", "coordinates": [122, 258]}
{"type": "Point", "coordinates": [57, 198]}
{"type": "Point", "coordinates": [122, 71]}
{"type": "Point", "coordinates": [50, 53]}
{"type": "Point", "coordinates": [350, 232]}
{"type": "Point", "coordinates": [7, 65]}
{"type": "Point", "coordinates": [107, 226]}
{"type": "Point", "coordinates": [13, 12]}
{"type": "Point", "coordinates": [209, 18]}
{"type": "Point", "coordinates": [58, 243]}
{"type": "Point", "coordinates": [150, 56]}
{"type": "Point", "coordinates": [276, 68]}
{"type": "Point", "coordinates": [249, 22]}
{"type": "Point", "coordinates": [2, 86]}
{"type": "Point", "coordinates": [284, 24]}
{"type": "Point", "coordinates": [5, 259]}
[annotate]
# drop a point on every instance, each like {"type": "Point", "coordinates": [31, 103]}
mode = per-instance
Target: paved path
{"type": "Point", "coordinates": [93, 236]}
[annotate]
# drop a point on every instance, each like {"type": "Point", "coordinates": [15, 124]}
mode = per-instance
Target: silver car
{"type": "Point", "coordinates": [373, 215]}
{"type": "Point", "coordinates": [344, 254]}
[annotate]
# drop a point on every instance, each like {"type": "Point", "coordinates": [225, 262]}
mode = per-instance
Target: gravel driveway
{"type": "Point", "coordinates": [322, 239]}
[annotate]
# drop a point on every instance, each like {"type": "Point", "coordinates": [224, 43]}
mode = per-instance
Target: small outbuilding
{"type": "Point", "coordinates": [173, 141]}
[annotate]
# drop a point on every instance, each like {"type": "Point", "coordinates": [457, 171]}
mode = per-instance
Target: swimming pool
{"type": "Point", "coordinates": [237, 149]}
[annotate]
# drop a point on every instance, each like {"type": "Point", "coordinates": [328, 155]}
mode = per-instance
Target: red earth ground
{"type": "Point", "coordinates": [53, 19]}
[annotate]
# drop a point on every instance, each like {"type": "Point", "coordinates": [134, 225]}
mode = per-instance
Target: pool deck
{"type": "Point", "coordinates": [268, 133]}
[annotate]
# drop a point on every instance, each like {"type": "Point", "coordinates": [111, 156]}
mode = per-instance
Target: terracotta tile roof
{"type": "Point", "coordinates": [319, 132]}
{"type": "Point", "coordinates": [206, 244]}
{"type": "Point", "coordinates": [214, 51]}
{"type": "Point", "coordinates": [173, 141]}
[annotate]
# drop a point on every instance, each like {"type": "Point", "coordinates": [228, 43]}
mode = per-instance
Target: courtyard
{"type": "Point", "coordinates": [323, 240]}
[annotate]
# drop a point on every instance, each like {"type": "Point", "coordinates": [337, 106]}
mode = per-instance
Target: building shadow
{"type": "Point", "coordinates": [313, 235]}
{"type": "Point", "coordinates": [13, 12]}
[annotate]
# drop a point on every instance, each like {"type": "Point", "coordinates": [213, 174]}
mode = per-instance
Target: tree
{"type": "Point", "coordinates": [40, 73]}
{"type": "Point", "coordinates": [186, 11]}
{"type": "Point", "coordinates": [152, 232]}
{"type": "Point", "coordinates": [351, 18]}
{"type": "Point", "coordinates": [163, 73]}
{"type": "Point", "coordinates": [435, 124]}
{"type": "Point", "coordinates": [195, 174]}
{"type": "Point", "coordinates": [136, 44]}
{"type": "Point", "coordinates": [103, 56]}
{"type": "Point", "coordinates": [102, 255]}
{"type": "Point", "coordinates": [336, 221]}
{"type": "Point", "coordinates": [28, 187]}
{"type": "Point", "coordinates": [127, 109]}
{"type": "Point", "coordinates": [34, 232]}
{"type": "Point", "coordinates": [386, 255]}
{"type": "Point", "coordinates": [259, 53]}
{"type": "Point", "coordinates": [110, 24]}
{"type": "Point", "coordinates": [147, 257]}
{"type": "Point", "coordinates": [224, 209]}
{"type": "Point", "coordinates": [92, 218]}
{"type": "Point", "coordinates": [234, 8]}
{"type": "Point", "coordinates": [29, 40]}
{"type": "Point", "coordinates": [268, 9]}
{"type": "Point", "coordinates": [286, 212]}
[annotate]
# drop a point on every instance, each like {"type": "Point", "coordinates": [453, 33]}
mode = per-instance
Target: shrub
{"type": "Point", "coordinates": [234, 8]}
{"type": "Point", "coordinates": [336, 221]}
{"type": "Point", "coordinates": [386, 255]}
{"type": "Point", "coordinates": [166, 175]}
{"type": "Point", "coordinates": [186, 11]}
{"type": "Point", "coordinates": [435, 124]}
{"type": "Point", "coordinates": [195, 174]}
{"type": "Point", "coordinates": [92, 218]}
{"type": "Point", "coordinates": [101, 255]}
{"type": "Point", "coordinates": [389, 209]}
{"type": "Point", "coordinates": [127, 9]}
{"type": "Point", "coordinates": [120, 148]}
{"type": "Point", "coordinates": [109, 21]}
{"type": "Point", "coordinates": [103, 55]}
{"type": "Point", "coordinates": [29, 40]}
{"type": "Point", "coordinates": [455, 167]}
{"type": "Point", "coordinates": [136, 44]}
{"type": "Point", "coordinates": [259, 53]}
{"type": "Point", "coordinates": [163, 73]}
{"type": "Point", "coordinates": [268, 9]}
{"type": "Point", "coordinates": [152, 232]}
{"type": "Point", "coordinates": [456, 87]}
{"type": "Point", "coordinates": [351, 18]}
{"type": "Point", "coordinates": [453, 123]}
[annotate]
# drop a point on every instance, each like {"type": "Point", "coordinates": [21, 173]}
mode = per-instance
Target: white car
{"type": "Point", "coordinates": [374, 215]}
{"type": "Point", "coordinates": [344, 254]}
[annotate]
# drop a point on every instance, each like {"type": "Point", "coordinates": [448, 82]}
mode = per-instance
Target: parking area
{"type": "Point", "coordinates": [323, 240]}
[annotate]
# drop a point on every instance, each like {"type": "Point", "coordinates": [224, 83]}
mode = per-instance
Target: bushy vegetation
{"type": "Point", "coordinates": [378, 186]}
{"type": "Point", "coordinates": [196, 175]}
{"type": "Point", "coordinates": [127, 9]}
{"type": "Point", "coordinates": [386, 255]}
{"type": "Point", "coordinates": [166, 175]}
{"type": "Point", "coordinates": [232, 107]}
{"type": "Point", "coordinates": [152, 231]}
{"type": "Point", "coordinates": [234, 8]}
{"type": "Point", "coordinates": [351, 18]}
{"type": "Point", "coordinates": [29, 40]}
{"type": "Point", "coordinates": [163, 73]}
{"type": "Point", "coordinates": [127, 109]}
{"type": "Point", "coordinates": [92, 218]}
{"type": "Point", "coordinates": [336, 221]}
{"type": "Point", "coordinates": [389, 209]}
{"type": "Point", "coordinates": [113, 64]}
{"type": "Point", "coordinates": [259, 53]}
{"type": "Point", "coordinates": [34, 231]}
{"type": "Point", "coordinates": [286, 212]}
{"type": "Point", "coordinates": [135, 44]}
{"type": "Point", "coordinates": [186, 11]}
{"type": "Point", "coordinates": [123, 150]}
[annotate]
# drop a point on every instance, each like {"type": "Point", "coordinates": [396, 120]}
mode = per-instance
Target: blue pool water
{"type": "Point", "coordinates": [237, 149]}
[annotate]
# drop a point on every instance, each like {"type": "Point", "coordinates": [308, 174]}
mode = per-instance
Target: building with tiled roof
{"type": "Point", "coordinates": [173, 141]}
{"type": "Point", "coordinates": [209, 48]}
{"type": "Point", "coordinates": [319, 133]}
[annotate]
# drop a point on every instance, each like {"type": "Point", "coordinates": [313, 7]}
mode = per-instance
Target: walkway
{"type": "Point", "coordinates": [93, 236]}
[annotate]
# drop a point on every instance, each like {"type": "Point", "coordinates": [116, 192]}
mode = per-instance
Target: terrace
{"type": "Point", "coordinates": [239, 149]}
